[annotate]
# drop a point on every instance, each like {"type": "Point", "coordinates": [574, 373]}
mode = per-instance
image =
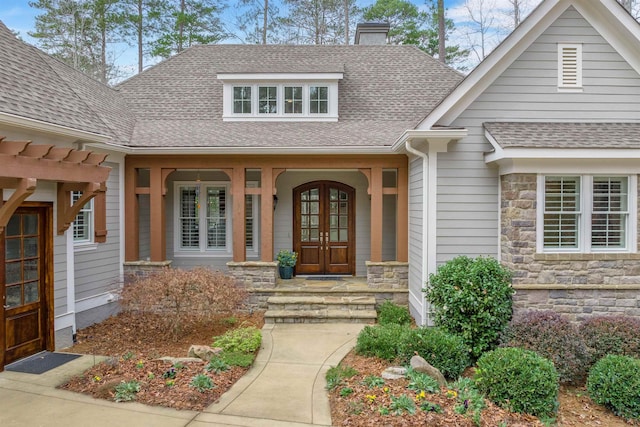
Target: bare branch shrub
{"type": "Point", "coordinates": [183, 297]}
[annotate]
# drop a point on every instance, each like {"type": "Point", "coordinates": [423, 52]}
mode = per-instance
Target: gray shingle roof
{"type": "Point", "coordinates": [564, 135]}
{"type": "Point", "coordinates": [385, 91]}
{"type": "Point", "coordinates": [36, 86]}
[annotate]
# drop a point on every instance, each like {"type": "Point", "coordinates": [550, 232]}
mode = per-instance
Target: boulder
{"type": "Point", "coordinates": [203, 352]}
{"type": "Point", "coordinates": [394, 373]}
{"type": "Point", "coordinates": [420, 365]}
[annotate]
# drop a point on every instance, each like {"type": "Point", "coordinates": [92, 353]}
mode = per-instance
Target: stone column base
{"type": "Point", "coordinates": [254, 274]}
{"type": "Point", "coordinates": [136, 269]}
{"type": "Point", "coordinates": [388, 274]}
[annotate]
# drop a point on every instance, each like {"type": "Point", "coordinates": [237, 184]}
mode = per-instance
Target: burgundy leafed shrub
{"type": "Point", "coordinates": [183, 297]}
{"type": "Point", "coordinates": [553, 337]}
{"type": "Point", "coordinates": [611, 335]}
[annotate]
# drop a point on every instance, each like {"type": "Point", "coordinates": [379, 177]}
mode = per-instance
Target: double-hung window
{"type": "Point", "coordinates": [242, 100]}
{"type": "Point", "coordinates": [83, 222]}
{"type": "Point", "coordinates": [203, 218]}
{"type": "Point", "coordinates": [585, 213]}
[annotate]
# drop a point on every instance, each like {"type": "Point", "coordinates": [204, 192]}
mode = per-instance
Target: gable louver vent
{"type": "Point", "coordinates": [570, 66]}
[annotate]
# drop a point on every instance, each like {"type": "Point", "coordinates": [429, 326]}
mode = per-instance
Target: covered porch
{"type": "Point", "coordinates": [268, 205]}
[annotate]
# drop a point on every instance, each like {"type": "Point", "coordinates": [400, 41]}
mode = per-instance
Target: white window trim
{"type": "Point", "coordinates": [255, 115]}
{"type": "Point", "coordinates": [586, 207]}
{"type": "Point", "coordinates": [88, 243]}
{"type": "Point", "coordinates": [203, 251]}
{"type": "Point", "coordinates": [256, 221]}
{"type": "Point", "coordinates": [562, 85]}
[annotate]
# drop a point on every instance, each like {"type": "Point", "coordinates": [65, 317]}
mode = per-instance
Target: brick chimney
{"type": "Point", "coordinates": [372, 33]}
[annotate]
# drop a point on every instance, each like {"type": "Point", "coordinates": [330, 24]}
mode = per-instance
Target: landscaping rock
{"type": "Point", "coordinates": [394, 373]}
{"type": "Point", "coordinates": [203, 352]}
{"type": "Point", "coordinates": [421, 365]}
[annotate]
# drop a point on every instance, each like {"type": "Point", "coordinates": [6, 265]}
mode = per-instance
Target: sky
{"type": "Point", "coordinates": [20, 17]}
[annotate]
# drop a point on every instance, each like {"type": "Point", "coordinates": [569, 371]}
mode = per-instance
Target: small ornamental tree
{"type": "Point", "coordinates": [182, 296]}
{"type": "Point", "coordinates": [472, 298]}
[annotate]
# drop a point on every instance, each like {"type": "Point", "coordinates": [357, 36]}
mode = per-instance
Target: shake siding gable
{"type": "Point", "coordinates": [526, 91]}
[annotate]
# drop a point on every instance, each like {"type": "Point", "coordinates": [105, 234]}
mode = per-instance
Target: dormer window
{"type": "Point", "coordinates": [242, 100]}
{"type": "Point", "coordinates": [280, 97]}
{"type": "Point", "coordinates": [569, 67]}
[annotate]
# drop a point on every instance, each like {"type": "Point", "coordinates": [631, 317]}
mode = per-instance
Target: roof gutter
{"type": "Point", "coordinates": [425, 213]}
{"type": "Point", "coordinates": [32, 124]}
{"type": "Point", "coordinates": [245, 150]}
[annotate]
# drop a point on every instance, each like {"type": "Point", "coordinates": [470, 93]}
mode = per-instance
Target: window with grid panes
{"type": "Point", "coordinates": [318, 100]}
{"type": "Point", "coordinates": [268, 100]}
{"type": "Point", "coordinates": [293, 99]}
{"type": "Point", "coordinates": [242, 100]}
{"type": "Point", "coordinates": [561, 211]}
{"type": "Point", "coordinates": [609, 212]}
{"type": "Point", "coordinates": [83, 222]}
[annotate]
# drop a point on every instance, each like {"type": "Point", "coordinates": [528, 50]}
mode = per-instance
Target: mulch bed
{"type": "Point", "coordinates": [134, 344]}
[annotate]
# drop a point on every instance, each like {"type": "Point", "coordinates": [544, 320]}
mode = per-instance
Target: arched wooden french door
{"type": "Point", "coordinates": [324, 228]}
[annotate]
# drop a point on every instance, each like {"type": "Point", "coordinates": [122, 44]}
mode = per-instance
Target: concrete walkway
{"type": "Point", "coordinates": [284, 388]}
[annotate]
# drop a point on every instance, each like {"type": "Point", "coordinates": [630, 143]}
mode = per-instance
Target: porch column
{"type": "Point", "coordinates": [237, 192]}
{"type": "Point", "coordinates": [376, 214]}
{"type": "Point", "coordinates": [402, 216]}
{"type": "Point", "coordinates": [266, 214]}
{"type": "Point", "coordinates": [157, 216]}
{"type": "Point", "coordinates": [131, 219]}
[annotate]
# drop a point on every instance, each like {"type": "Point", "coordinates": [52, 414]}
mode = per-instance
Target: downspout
{"type": "Point", "coordinates": [425, 220]}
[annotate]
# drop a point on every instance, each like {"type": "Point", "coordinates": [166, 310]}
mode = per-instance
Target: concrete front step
{"type": "Point", "coordinates": [321, 309]}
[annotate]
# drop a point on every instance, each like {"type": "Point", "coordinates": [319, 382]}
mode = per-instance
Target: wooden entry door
{"type": "Point", "coordinates": [25, 271]}
{"type": "Point", "coordinates": [324, 228]}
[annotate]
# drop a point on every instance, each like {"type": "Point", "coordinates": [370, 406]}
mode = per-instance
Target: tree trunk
{"type": "Point", "coordinates": [346, 22]}
{"type": "Point", "coordinates": [442, 53]}
{"type": "Point", "coordinates": [264, 21]}
{"type": "Point", "coordinates": [181, 24]}
{"type": "Point", "coordinates": [140, 55]}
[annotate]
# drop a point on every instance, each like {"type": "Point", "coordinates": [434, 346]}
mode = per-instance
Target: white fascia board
{"type": "Point", "coordinates": [594, 165]}
{"type": "Point", "coordinates": [495, 64]}
{"type": "Point", "coordinates": [293, 77]}
{"type": "Point", "coordinates": [616, 26]}
{"type": "Point", "coordinates": [32, 124]}
{"type": "Point", "coordinates": [563, 153]}
{"type": "Point", "coordinates": [433, 136]}
{"type": "Point", "coordinates": [252, 150]}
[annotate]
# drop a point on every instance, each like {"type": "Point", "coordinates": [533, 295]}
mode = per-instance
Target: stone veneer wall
{"type": "Point", "coordinates": [388, 274]}
{"type": "Point", "coordinates": [577, 285]}
{"type": "Point", "coordinates": [254, 274]}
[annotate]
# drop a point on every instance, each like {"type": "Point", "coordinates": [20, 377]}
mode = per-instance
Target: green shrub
{"type": "Point", "coordinates": [202, 383]}
{"type": "Point", "coordinates": [553, 337]}
{"type": "Point", "coordinates": [381, 341]}
{"type": "Point", "coordinates": [245, 340]}
{"type": "Point", "coordinates": [611, 335]}
{"type": "Point", "coordinates": [419, 381]}
{"type": "Point", "coordinates": [443, 350]}
{"type": "Point", "coordinates": [126, 391]}
{"type": "Point", "coordinates": [472, 298]}
{"type": "Point", "coordinates": [519, 380]}
{"type": "Point", "coordinates": [237, 358]}
{"type": "Point", "coordinates": [389, 312]}
{"type": "Point", "coordinates": [217, 365]}
{"type": "Point", "coordinates": [614, 381]}
{"type": "Point", "coordinates": [336, 374]}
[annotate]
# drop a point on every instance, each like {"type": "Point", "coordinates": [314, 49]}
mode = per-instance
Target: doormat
{"type": "Point", "coordinates": [327, 278]}
{"type": "Point", "coordinates": [41, 362]}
